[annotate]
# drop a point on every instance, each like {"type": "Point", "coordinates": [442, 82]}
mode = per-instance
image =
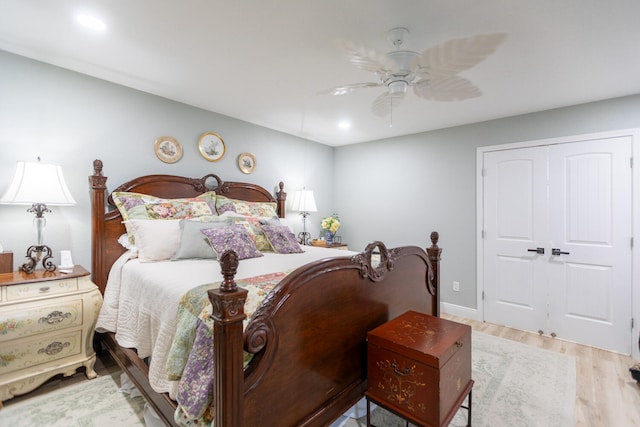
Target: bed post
{"type": "Point", "coordinates": [228, 313]}
{"type": "Point", "coordinates": [281, 197]}
{"type": "Point", "coordinates": [434, 253]}
{"type": "Point", "coordinates": [98, 186]}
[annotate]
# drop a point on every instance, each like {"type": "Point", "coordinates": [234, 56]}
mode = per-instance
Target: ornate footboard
{"type": "Point", "coordinates": [308, 338]}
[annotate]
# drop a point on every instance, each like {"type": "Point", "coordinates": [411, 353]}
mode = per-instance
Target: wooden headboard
{"type": "Point", "coordinates": [106, 221]}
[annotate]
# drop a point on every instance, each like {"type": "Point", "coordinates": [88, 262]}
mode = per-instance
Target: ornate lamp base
{"type": "Point", "coordinates": [303, 237]}
{"type": "Point", "coordinates": [34, 254]}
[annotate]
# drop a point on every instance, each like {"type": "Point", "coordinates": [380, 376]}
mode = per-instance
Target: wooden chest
{"type": "Point", "coordinates": [419, 367]}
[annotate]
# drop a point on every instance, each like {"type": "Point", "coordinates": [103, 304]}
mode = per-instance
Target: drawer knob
{"type": "Point", "coordinates": [44, 289]}
{"type": "Point", "coordinates": [459, 344]}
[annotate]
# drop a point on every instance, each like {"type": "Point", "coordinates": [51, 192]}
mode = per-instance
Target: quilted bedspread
{"type": "Point", "coordinates": [191, 356]}
{"type": "Point", "coordinates": [141, 300]}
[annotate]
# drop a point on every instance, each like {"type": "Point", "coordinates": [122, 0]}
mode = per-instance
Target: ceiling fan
{"type": "Point", "coordinates": [433, 74]}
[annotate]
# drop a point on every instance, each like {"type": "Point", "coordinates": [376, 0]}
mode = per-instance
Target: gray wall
{"type": "Point", "coordinates": [396, 191]}
{"type": "Point", "coordinates": [71, 119]}
{"type": "Point", "coordinates": [400, 190]}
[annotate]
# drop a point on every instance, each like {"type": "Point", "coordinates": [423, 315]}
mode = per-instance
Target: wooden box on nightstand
{"type": "Point", "coordinates": [6, 262]}
{"type": "Point", "coordinates": [47, 322]}
{"type": "Point", "coordinates": [419, 367]}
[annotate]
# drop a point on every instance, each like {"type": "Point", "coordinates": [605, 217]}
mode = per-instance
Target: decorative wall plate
{"type": "Point", "coordinates": [247, 162]}
{"type": "Point", "coordinates": [168, 149]}
{"type": "Point", "coordinates": [211, 146]}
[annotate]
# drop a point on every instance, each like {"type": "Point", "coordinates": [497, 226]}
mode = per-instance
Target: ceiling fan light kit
{"type": "Point", "coordinates": [398, 86]}
{"type": "Point", "coordinates": [433, 74]}
{"type": "Point", "coordinates": [397, 35]}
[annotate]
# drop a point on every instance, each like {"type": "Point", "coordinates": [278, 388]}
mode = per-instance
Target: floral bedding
{"type": "Point", "coordinates": [141, 300]}
{"type": "Point", "coordinates": [191, 356]}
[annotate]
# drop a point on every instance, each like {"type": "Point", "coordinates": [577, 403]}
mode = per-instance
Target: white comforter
{"type": "Point", "coordinates": [141, 299]}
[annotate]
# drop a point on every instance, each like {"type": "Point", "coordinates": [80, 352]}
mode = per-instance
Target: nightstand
{"type": "Point", "coordinates": [47, 322]}
{"type": "Point", "coordinates": [339, 246]}
{"type": "Point", "coordinates": [323, 244]}
{"type": "Point", "coordinates": [419, 368]}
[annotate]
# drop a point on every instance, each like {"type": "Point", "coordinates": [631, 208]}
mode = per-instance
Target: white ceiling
{"type": "Point", "coordinates": [264, 61]}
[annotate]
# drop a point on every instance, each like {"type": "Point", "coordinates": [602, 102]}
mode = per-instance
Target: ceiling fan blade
{"type": "Point", "coordinates": [446, 89]}
{"type": "Point", "coordinates": [367, 59]}
{"type": "Point", "coordinates": [345, 89]}
{"type": "Point", "coordinates": [453, 56]}
{"type": "Point", "coordinates": [385, 103]}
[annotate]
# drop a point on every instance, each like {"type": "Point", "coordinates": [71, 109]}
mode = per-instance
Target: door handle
{"type": "Point", "coordinates": [556, 251]}
{"type": "Point", "coordinates": [539, 251]}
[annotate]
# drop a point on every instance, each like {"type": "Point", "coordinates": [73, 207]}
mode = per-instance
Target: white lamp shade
{"type": "Point", "coordinates": [303, 201]}
{"type": "Point", "coordinates": [38, 183]}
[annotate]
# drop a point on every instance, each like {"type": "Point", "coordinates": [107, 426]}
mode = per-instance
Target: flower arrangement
{"type": "Point", "coordinates": [331, 224]}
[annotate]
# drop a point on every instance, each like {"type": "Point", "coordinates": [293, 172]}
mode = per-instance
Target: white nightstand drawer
{"type": "Point", "coordinates": [37, 289]}
{"type": "Point", "coordinates": [20, 354]}
{"type": "Point", "coordinates": [30, 319]}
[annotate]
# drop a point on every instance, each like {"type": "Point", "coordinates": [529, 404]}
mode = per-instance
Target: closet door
{"type": "Point", "coordinates": [590, 228]}
{"type": "Point", "coordinates": [557, 240]}
{"type": "Point", "coordinates": [516, 235]}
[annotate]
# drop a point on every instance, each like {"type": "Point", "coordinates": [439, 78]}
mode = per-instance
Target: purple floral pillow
{"type": "Point", "coordinates": [282, 239]}
{"type": "Point", "coordinates": [234, 237]}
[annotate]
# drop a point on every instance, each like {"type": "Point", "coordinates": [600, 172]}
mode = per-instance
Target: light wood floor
{"type": "Point", "coordinates": [606, 395]}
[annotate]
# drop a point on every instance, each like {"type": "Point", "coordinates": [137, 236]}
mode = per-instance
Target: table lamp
{"type": "Point", "coordinates": [38, 184]}
{"type": "Point", "coordinates": [304, 202]}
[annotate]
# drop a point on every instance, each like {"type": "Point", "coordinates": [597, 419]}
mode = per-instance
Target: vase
{"type": "Point", "coordinates": [329, 238]}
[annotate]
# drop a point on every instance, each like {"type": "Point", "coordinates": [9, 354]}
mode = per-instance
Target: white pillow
{"type": "Point", "coordinates": [156, 240]}
{"type": "Point", "coordinates": [125, 243]}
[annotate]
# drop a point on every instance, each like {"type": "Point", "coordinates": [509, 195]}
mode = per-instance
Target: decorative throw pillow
{"type": "Point", "coordinates": [244, 208]}
{"type": "Point", "coordinates": [282, 239]}
{"type": "Point", "coordinates": [193, 244]}
{"type": "Point", "coordinates": [234, 237]}
{"type": "Point", "coordinates": [143, 206]}
{"type": "Point", "coordinates": [155, 240]}
{"type": "Point", "coordinates": [288, 222]}
{"type": "Point", "coordinates": [253, 227]}
{"type": "Point", "coordinates": [270, 221]}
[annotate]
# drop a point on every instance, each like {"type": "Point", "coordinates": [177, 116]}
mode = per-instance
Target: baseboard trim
{"type": "Point", "coordinates": [461, 311]}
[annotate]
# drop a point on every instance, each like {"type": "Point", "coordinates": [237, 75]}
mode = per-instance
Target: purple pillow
{"type": "Point", "coordinates": [282, 239]}
{"type": "Point", "coordinates": [234, 237]}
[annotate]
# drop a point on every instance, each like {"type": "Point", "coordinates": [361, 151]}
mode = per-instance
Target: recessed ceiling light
{"type": "Point", "coordinates": [344, 124]}
{"type": "Point", "coordinates": [90, 22]}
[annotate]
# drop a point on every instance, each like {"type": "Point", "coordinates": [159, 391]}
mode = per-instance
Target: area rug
{"type": "Point", "coordinates": [515, 385]}
{"type": "Point", "coordinates": [96, 403]}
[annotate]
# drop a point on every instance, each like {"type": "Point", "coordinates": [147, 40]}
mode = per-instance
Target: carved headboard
{"type": "Point", "coordinates": [106, 221]}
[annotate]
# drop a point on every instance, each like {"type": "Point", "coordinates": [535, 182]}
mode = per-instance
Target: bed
{"type": "Point", "coordinates": [307, 337]}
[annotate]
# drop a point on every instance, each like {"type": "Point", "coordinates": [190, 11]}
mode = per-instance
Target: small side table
{"type": "Point", "coordinates": [323, 244]}
{"type": "Point", "coordinates": [419, 368]}
{"type": "Point", "coordinates": [47, 322]}
{"type": "Point", "coordinates": [339, 246]}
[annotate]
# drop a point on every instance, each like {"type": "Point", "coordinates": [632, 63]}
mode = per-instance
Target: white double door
{"type": "Point", "coordinates": [557, 240]}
